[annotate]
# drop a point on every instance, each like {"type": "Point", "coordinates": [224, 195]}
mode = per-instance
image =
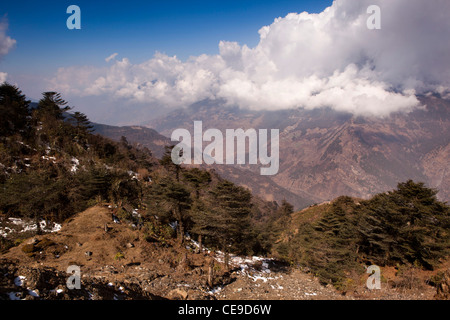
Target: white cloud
{"type": "Point", "coordinates": [302, 60]}
{"type": "Point", "coordinates": [111, 57]}
{"type": "Point", "coordinates": [3, 76]}
{"type": "Point", "coordinates": [6, 43]}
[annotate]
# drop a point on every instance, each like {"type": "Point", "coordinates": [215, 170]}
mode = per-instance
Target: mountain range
{"type": "Point", "coordinates": [323, 153]}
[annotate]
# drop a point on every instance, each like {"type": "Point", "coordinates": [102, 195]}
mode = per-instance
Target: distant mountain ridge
{"type": "Point", "coordinates": [260, 185]}
{"type": "Point", "coordinates": [325, 154]}
{"type": "Point", "coordinates": [145, 137]}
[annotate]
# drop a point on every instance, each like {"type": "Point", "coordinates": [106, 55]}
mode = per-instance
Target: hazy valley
{"type": "Point", "coordinates": [325, 154]}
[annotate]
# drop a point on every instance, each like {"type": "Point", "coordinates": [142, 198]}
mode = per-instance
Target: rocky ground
{"type": "Point", "coordinates": [118, 264]}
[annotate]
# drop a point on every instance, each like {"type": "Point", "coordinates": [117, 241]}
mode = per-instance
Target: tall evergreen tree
{"type": "Point", "coordinates": [200, 217]}
{"type": "Point", "coordinates": [167, 162]}
{"type": "Point", "coordinates": [14, 110]}
{"type": "Point", "coordinates": [52, 105]}
{"type": "Point", "coordinates": [230, 207]}
{"type": "Point", "coordinates": [82, 124]}
{"type": "Point", "coordinates": [198, 178]}
{"type": "Point", "coordinates": [286, 209]}
{"type": "Point", "coordinates": [171, 201]}
{"type": "Point", "coordinates": [37, 195]}
{"type": "Point", "coordinates": [407, 225]}
{"type": "Point", "coordinates": [334, 251]}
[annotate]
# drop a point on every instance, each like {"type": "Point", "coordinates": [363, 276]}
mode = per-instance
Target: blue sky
{"type": "Point", "coordinates": [299, 58]}
{"type": "Point", "coordinates": [134, 29]}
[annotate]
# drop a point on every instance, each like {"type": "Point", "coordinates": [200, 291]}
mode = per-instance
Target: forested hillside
{"type": "Point", "coordinates": [406, 227]}
{"type": "Point", "coordinates": [52, 166]}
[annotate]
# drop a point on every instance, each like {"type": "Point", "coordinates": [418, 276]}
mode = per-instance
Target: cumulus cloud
{"type": "Point", "coordinates": [330, 59]}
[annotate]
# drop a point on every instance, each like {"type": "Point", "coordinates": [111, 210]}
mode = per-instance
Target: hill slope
{"type": "Point", "coordinates": [121, 256]}
{"type": "Point", "coordinates": [154, 270]}
{"type": "Point", "coordinates": [143, 136]}
{"type": "Point", "coordinates": [261, 186]}
{"type": "Point", "coordinates": [326, 154]}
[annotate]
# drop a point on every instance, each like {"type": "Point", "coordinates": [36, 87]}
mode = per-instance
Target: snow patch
{"type": "Point", "coordinates": [53, 159]}
{"type": "Point", "coordinates": [18, 281]}
{"type": "Point", "coordinates": [173, 225]}
{"type": "Point", "coordinates": [215, 290]}
{"type": "Point", "coordinates": [33, 293]}
{"type": "Point", "coordinates": [133, 175]}
{"type": "Point", "coordinates": [310, 294]}
{"type": "Point", "coordinates": [75, 164]}
{"type": "Point", "coordinates": [13, 296]}
{"type": "Point", "coordinates": [12, 225]}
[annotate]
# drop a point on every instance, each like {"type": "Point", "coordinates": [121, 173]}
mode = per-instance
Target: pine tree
{"type": "Point", "coordinates": [52, 105]}
{"type": "Point", "coordinates": [14, 110]}
{"type": "Point", "coordinates": [167, 162]}
{"type": "Point", "coordinates": [95, 182]}
{"type": "Point", "coordinates": [198, 178]}
{"type": "Point", "coordinates": [49, 118]}
{"type": "Point", "coordinates": [407, 225]}
{"type": "Point", "coordinates": [82, 124]}
{"type": "Point", "coordinates": [230, 207]}
{"type": "Point", "coordinates": [200, 217]}
{"type": "Point", "coordinates": [286, 209]}
{"type": "Point", "coordinates": [171, 202]}
{"type": "Point", "coordinates": [334, 251]}
{"type": "Point", "coordinates": [37, 195]}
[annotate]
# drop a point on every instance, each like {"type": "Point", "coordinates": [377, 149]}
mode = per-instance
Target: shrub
{"type": "Point", "coordinates": [44, 244]}
{"type": "Point", "coordinates": [5, 244]}
{"type": "Point", "coordinates": [29, 249]}
{"type": "Point", "coordinates": [124, 214]}
{"type": "Point", "coordinates": [119, 256]}
{"type": "Point", "coordinates": [154, 231]}
{"type": "Point", "coordinates": [408, 278]}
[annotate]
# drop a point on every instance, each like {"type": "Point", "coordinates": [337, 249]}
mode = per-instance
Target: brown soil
{"type": "Point", "coordinates": [121, 264]}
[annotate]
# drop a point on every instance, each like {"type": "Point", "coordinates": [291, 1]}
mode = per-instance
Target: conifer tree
{"type": "Point", "coordinates": [286, 209]}
{"type": "Point", "coordinates": [170, 201]}
{"type": "Point", "coordinates": [200, 217]}
{"type": "Point", "coordinates": [198, 178]}
{"type": "Point", "coordinates": [14, 110]}
{"type": "Point", "coordinates": [82, 124]}
{"type": "Point", "coordinates": [52, 105]}
{"type": "Point", "coordinates": [167, 162]}
{"type": "Point", "coordinates": [230, 217]}
{"type": "Point", "coordinates": [37, 195]}
{"type": "Point", "coordinates": [334, 249]}
{"type": "Point", "coordinates": [407, 225]}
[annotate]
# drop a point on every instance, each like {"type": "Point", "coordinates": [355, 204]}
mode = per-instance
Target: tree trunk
{"type": "Point", "coordinates": [184, 262]}
{"type": "Point", "coordinates": [211, 273]}
{"type": "Point", "coordinates": [38, 226]}
{"type": "Point", "coordinates": [227, 261]}
{"type": "Point", "coordinates": [180, 232]}
{"type": "Point", "coordinates": [200, 245]}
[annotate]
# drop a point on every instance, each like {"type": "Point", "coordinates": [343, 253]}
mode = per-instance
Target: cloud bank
{"type": "Point", "coordinates": [330, 59]}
